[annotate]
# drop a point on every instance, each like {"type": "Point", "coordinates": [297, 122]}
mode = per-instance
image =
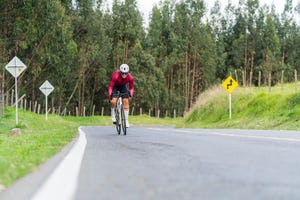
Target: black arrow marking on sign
{"type": "Point", "coordinates": [230, 84]}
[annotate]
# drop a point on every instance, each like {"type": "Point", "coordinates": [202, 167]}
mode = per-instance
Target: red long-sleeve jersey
{"type": "Point", "coordinates": [118, 80]}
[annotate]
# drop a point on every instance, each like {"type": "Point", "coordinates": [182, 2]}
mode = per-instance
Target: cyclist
{"type": "Point", "coordinates": [118, 82]}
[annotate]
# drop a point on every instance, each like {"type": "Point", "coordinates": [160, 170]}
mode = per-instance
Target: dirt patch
{"type": "Point", "coordinates": [2, 187]}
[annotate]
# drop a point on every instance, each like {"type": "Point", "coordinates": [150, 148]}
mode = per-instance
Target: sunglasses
{"type": "Point", "coordinates": [124, 73]}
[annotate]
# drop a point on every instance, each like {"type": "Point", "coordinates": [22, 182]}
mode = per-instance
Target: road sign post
{"type": "Point", "coordinates": [16, 67]}
{"type": "Point", "coordinates": [229, 85]}
{"type": "Point", "coordinates": [46, 88]}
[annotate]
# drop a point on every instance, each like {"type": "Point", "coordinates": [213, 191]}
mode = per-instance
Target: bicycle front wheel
{"type": "Point", "coordinates": [118, 124]}
{"type": "Point", "coordinates": [123, 120]}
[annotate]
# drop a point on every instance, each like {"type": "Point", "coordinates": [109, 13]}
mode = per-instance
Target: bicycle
{"type": "Point", "coordinates": [120, 115]}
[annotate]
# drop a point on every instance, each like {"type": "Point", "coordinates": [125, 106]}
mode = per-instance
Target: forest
{"type": "Point", "coordinates": [77, 44]}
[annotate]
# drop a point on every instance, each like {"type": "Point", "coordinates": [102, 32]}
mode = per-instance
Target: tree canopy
{"type": "Point", "coordinates": [186, 48]}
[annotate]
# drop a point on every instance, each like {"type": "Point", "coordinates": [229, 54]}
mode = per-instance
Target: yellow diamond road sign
{"type": "Point", "coordinates": [229, 84]}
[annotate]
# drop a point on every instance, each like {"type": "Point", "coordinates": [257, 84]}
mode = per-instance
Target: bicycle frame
{"type": "Point", "coordinates": [120, 115]}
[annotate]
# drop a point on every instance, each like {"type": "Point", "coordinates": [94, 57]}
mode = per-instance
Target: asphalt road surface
{"type": "Point", "coordinates": [167, 163]}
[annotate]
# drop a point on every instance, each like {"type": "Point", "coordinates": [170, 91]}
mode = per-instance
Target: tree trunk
{"type": "Point", "coordinates": [73, 92]}
{"type": "Point", "coordinates": [187, 89]}
{"type": "Point", "coordinates": [245, 58]}
{"type": "Point", "coordinates": [82, 100]}
{"type": "Point", "coordinates": [93, 97]}
{"type": "Point", "coordinates": [126, 51]}
{"type": "Point", "coordinates": [193, 79]}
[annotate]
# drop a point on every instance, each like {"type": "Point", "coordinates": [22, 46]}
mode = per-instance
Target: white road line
{"type": "Point", "coordinates": [255, 137]}
{"type": "Point", "coordinates": [236, 135]}
{"type": "Point", "coordinates": [62, 183]}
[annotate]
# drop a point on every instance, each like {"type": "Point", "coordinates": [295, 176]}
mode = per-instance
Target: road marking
{"type": "Point", "coordinates": [62, 183]}
{"type": "Point", "coordinates": [255, 137]}
{"type": "Point", "coordinates": [236, 135]}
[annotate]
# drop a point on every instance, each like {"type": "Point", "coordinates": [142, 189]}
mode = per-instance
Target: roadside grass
{"type": "Point", "coordinates": [252, 108]}
{"type": "Point", "coordinates": [40, 140]}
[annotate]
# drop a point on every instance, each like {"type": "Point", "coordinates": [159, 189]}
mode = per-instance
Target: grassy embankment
{"type": "Point", "coordinates": [252, 108]}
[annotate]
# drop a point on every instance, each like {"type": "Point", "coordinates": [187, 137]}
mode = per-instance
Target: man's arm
{"type": "Point", "coordinates": [111, 86]}
{"type": "Point", "coordinates": [131, 86]}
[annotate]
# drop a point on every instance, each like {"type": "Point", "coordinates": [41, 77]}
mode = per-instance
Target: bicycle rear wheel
{"type": "Point", "coordinates": [123, 120]}
{"type": "Point", "coordinates": [118, 124]}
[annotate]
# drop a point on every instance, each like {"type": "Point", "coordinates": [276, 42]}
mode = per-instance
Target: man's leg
{"type": "Point", "coordinates": [112, 106]}
{"type": "Point", "coordinates": [126, 110]}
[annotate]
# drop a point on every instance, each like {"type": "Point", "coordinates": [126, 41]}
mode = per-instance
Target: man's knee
{"type": "Point", "coordinates": [126, 104]}
{"type": "Point", "coordinates": [113, 102]}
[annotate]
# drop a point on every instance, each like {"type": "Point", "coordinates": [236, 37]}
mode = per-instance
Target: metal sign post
{"type": "Point", "coordinates": [46, 88]}
{"type": "Point", "coordinates": [16, 67]}
{"type": "Point", "coordinates": [229, 85]}
{"type": "Point", "coordinates": [229, 105]}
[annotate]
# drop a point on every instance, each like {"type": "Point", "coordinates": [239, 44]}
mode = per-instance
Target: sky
{"type": "Point", "coordinates": [145, 6]}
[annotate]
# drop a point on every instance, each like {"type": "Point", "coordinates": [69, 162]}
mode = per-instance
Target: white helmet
{"type": "Point", "coordinates": [124, 68]}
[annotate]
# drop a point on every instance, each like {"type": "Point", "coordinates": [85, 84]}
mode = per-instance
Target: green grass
{"type": "Point", "coordinates": [252, 108]}
{"type": "Point", "coordinates": [40, 140]}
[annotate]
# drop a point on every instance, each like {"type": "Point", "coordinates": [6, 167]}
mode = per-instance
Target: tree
{"type": "Point", "coordinates": [127, 28]}
{"type": "Point", "coordinates": [271, 50]}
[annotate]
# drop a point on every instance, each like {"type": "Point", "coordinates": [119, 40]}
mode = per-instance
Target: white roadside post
{"type": "Point", "coordinates": [46, 88]}
{"type": "Point", "coordinates": [16, 67]}
{"type": "Point", "coordinates": [229, 85]}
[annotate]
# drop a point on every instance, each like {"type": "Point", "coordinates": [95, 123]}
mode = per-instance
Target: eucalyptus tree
{"type": "Point", "coordinates": [203, 57]}
{"type": "Point", "coordinates": [228, 22]}
{"type": "Point", "coordinates": [194, 50]}
{"type": "Point", "coordinates": [181, 51]}
{"type": "Point", "coordinates": [252, 35]}
{"type": "Point", "coordinates": [91, 64]}
{"type": "Point", "coordinates": [53, 48]}
{"type": "Point", "coordinates": [14, 18]}
{"type": "Point", "coordinates": [288, 33]}
{"type": "Point", "coordinates": [39, 33]}
{"type": "Point", "coordinates": [158, 44]}
{"type": "Point", "coordinates": [6, 29]}
{"type": "Point", "coordinates": [127, 29]}
{"type": "Point", "coordinates": [285, 30]}
{"type": "Point", "coordinates": [154, 37]}
{"type": "Point", "coordinates": [271, 51]}
{"type": "Point", "coordinates": [217, 23]}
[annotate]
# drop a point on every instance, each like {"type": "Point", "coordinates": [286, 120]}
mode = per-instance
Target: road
{"type": "Point", "coordinates": [167, 163]}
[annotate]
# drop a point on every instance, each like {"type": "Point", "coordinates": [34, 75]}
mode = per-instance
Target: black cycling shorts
{"type": "Point", "coordinates": [122, 89]}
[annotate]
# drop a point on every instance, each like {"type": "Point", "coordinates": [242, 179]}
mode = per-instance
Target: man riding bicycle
{"type": "Point", "coordinates": [118, 83]}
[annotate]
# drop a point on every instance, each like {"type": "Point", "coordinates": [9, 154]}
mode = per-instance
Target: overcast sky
{"type": "Point", "coordinates": [145, 6]}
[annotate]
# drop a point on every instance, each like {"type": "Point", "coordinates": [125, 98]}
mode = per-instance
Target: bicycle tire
{"type": "Point", "coordinates": [118, 126]}
{"type": "Point", "coordinates": [123, 120]}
